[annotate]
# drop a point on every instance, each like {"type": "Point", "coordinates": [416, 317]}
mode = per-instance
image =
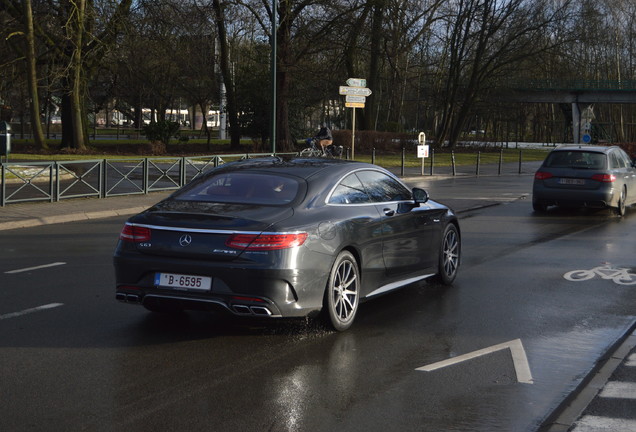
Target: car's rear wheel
{"type": "Point", "coordinates": [620, 209]}
{"type": "Point", "coordinates": [343, 292]}
{"type": "Point", "coordinates": [449, 255]}
{"type": "Point", "coordinates": [539, 206]}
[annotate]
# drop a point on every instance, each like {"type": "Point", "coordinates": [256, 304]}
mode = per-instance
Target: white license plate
{"type": "Point", "coordinates": [570, 181]}
{"type": "Point", "coordinates": [180, 281]}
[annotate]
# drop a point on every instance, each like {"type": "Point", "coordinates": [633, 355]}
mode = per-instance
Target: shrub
{"type": "Point", "coordinates": [161, 131]}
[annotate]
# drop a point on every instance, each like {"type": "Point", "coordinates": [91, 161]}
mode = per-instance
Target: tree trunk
{"type": "Point", "coordinates": [367, 120]}
{"type": "Point", "coordinates": [77, 135]}
{"type": "Point", "coordinates": [232, 112]}
{"type": "Point", "coordinates": [36, 125]}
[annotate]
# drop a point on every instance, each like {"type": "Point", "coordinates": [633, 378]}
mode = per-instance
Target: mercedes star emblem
{"type": "Point", "coordinates": [185, 240]}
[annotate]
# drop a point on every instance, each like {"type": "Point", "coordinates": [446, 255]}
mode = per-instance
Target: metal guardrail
{"type": "Point", "coordinates": [102, 178]}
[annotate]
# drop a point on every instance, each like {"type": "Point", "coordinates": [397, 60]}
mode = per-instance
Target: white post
{"type": "Point", "coordinates": [353, 134]}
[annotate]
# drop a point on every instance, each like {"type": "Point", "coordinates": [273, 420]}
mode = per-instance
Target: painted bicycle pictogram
{"type": "Point", "coordinates": [621, 276]}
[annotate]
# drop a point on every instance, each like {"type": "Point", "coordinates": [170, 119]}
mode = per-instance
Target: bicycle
{"type": "Point", "coordinates": [621, 276]}
{"type": "Point", "coordinates": [313, 150]}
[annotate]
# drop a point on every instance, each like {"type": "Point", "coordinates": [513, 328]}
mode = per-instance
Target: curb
{"type": "Point", "coordinates": [571, 408]}
{"type": "Point", "coordinates": [70, 217]}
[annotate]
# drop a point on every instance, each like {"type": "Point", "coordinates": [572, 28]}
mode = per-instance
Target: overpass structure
{"type": "Point", "coordinates": [577, 93]}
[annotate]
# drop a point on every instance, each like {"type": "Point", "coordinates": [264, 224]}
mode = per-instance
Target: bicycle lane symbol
{"type": "Point", "coordinates": [619, 275]}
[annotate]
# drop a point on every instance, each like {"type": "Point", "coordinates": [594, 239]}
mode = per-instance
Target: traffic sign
{"type": "Point", "coordinates": [354, 98]}
{"type": "Point", "coordinates": [357, 82]}
{"type": "Point", "coordinates": [422, 151]}
{"type": "Point", "coordinates": [354, 105]}
{"type": "Point", "coordinates": [355, 91]}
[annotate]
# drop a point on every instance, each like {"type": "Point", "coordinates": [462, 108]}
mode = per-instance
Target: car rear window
{"type": "Point", "coordinates": [576, 159]}
{"type": "Point", "coordinates": [242, 188]}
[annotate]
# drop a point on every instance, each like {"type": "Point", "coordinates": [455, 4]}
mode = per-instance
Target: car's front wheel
{"type": "Point", "coordinates": [449, 255]}
{"type": "Point", "coordinates": [343, 292]}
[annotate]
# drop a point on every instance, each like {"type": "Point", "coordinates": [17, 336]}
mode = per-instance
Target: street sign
{"type": "Point", "coordinates": [354, 98]}
{"type": "Point", "coordinates": [422, 151]}
{"type": "Point", "coordinates": [355, 91]}
{"type": "Point", "coordinates": [421, 138]}
{"type": "Point", "coordinates": [357, 82]}
{"type": "Point", "coordinates": [354, 104]}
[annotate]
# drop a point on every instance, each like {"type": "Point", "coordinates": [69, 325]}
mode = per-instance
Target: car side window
{"type": "Point", "coordinates": [627, 160]}
{"type": "Point", "coordinates": [615, 161]}
{"type": "Point", "coordinates": [349, 191]}
{"type": "Point", "coordinates": [382, 188]}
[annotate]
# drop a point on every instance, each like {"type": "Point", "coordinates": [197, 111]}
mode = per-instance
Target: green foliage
{"type": "Point", "coordinates": [161, 131]}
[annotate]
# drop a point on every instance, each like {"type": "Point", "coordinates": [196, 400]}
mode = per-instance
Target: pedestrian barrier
{"type": "Point", "coordinates": [102, 178]}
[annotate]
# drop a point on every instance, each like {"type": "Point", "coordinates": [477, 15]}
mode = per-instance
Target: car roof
{"type": "Point", "coordinates": [581, 147]}
{"type": "Point", "coordinates": [295, 166]}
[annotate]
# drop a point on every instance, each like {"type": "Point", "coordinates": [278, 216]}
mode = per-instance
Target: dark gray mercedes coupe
{"type": "Point", "coordinates": [285, 237]}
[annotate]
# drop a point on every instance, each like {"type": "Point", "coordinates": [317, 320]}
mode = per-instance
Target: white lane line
{"type": "Point", "coordinates": [519, 359]}
{"type": "Point", "coordinates": [590, 423]}
{"type": "Point", "coordinates": [631, 360]}
{"type": "Point", "coordinates": [55, 264]}
{"type": "Point", "coordinates": [619, 390]}
{"type": "Point", "coordinates": [32, 310]}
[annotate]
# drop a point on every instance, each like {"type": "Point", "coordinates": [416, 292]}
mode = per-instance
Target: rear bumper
{"type": "Point", "coordinates": [599, 198]}
{"type": "Point", "coordinates": [238, 289]}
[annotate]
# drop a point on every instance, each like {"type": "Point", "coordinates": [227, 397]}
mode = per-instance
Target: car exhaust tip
{"type": "Point", "coordinates": [260, 311]}
{"type": "Point", "coordinates": [241, 309]}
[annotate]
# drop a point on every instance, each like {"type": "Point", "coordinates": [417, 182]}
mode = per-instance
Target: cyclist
{"type": "Point", "coordinates": [324, 138]}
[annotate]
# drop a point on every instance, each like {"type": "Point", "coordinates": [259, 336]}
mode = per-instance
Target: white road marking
{"type": "Point", "coordinates": [590, 423]}
{"type": "Point", "coordinates": [32, 310]}
{"type": "Point", "coordinates": [519, 359]}
{"type": "Point", "coordinates": [631, 360]}
{"type": "Point", "coordinates": [619, 390]}
{"type": "Point", "coordinates": [55, 264]}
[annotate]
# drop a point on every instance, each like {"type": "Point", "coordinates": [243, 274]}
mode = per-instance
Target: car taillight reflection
{"type": "Point", "coordinates": [265, 242]}
{"type": "Point", "coordinates": [135, 234]}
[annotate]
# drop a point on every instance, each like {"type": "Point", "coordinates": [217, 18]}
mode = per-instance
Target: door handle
{"type": "Point", "coordinates": [389, 212]}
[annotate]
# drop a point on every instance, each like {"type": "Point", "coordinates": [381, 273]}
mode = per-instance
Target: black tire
{"type": "Point", "coordinates": [539, 206]}
{"type": "Point", "coordinates": [450, 255]}
{"type": "Point", "coordinates": [343, 292]}
{"type": "Point", "coordinates": [620, 209]}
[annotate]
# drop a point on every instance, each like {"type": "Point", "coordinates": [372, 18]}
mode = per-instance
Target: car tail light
{"type": "Point", "coordinates": [542, 175]}
{"type": "Point", "coordinates": [605, 178]}
{"type": "Point", "coordinates": [132, 233]}
{"type": "Point", "coordinates": [265, 242]}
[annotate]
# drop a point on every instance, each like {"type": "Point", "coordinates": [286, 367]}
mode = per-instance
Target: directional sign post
{"type": "Point", "coordinates": [356, 93]}
{"type": "Point", "coordinates": [357, 82]}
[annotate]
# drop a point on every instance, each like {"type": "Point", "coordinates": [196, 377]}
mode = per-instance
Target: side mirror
{"type": "Point", "coordinates": [420, 196]}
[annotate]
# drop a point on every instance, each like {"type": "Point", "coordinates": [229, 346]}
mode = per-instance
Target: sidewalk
{"type": "Point", "coordinates": [30, 214]}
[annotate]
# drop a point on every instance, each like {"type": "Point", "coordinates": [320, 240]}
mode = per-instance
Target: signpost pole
{"type": "Point", "coordinates": [353, 134]}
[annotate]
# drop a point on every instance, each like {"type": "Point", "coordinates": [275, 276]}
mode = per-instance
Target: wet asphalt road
{"type": "Point", "coordinates": [89, 363]}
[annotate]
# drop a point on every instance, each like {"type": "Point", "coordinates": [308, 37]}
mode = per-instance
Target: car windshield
{"type": "Point", "coordinates": [576, 159]}
{"type": "Point", "coordinates": [243, 188]}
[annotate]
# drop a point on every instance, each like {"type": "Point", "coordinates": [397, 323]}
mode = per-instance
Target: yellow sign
{"type": "Point", "coordinates": [354, 104]}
